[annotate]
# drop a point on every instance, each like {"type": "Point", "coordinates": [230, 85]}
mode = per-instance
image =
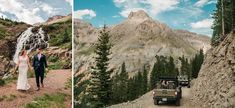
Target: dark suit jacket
{"type": "Point", "coordinates": [39, 64]}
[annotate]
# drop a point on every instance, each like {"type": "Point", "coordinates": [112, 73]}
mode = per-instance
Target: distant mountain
{"type": "Point", "coordinates": [136, 41]}
{"type": "Point", "coordinates": [55, 19]}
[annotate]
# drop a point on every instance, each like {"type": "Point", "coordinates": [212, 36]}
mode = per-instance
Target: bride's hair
{"type": "Point", "coordinates": [22, 52]}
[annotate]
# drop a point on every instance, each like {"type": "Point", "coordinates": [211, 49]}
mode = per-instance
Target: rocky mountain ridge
{"type": "Point", "coordinates": [136, 41]}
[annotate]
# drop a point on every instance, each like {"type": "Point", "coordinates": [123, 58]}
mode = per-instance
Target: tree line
{"type": "Point", "coordinates": [107, 87]}
{"type": "Point", "coordinates": [224, 20]}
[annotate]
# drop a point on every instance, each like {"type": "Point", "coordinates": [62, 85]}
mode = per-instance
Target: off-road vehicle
{"type": "Point", "coordinates": [167, 90]}
{"type": "Point", "coordinates": [184, 80]}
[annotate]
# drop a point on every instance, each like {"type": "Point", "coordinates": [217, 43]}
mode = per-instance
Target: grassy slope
{"type": "Point", "coordinates": [10, 28]}
{"type": "Point", "coordinates": [60, 34]}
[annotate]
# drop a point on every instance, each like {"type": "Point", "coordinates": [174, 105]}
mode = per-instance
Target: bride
{"type": "Point", "coordinates": [23, 66]}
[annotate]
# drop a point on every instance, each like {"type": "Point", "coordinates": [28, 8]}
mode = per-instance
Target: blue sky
{"type": "Point", "coordinates": [34, 11]}
{"type": "Point", "coordinates": [192, 15]}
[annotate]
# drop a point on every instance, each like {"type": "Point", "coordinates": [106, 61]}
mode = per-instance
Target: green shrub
{"type": "Point", "coordinates": [68, 84]}
{"type": "Point", "coordinates": [56, 65]}
{"type": "Point", "coordinates": [53, 58]}
{"type": "Point", "coordinates": [55, 100]}
{"type": "Point", "coordinates": [2, 82]}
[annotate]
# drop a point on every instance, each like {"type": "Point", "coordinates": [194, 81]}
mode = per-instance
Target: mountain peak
{"type": "Point", "coordinates": [140, 14]}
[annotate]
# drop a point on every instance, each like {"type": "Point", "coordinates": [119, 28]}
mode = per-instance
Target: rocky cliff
{"type": "Point", "coordinates": [215, 85]}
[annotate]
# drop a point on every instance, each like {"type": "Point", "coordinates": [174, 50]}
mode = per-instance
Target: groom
{"type": "Point", "coordinates": [39, 65]}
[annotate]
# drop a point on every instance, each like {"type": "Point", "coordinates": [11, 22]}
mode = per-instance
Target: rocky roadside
{"type": "Point", "coordinates": [215, 85]}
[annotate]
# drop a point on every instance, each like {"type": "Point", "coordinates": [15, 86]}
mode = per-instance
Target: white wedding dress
{"type": "Point", "coordinates": [22, 82]}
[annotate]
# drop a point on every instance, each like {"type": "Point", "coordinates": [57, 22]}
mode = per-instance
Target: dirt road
{"type": "Point", "coordinates": [146, 101]}
{"type": "Point", "coordinates": [54, 82]}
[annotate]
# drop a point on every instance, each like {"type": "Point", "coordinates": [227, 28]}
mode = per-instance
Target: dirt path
{"type": "Point", "coordinates": [54, 82]}
{"type": "Point", "coordinates": [146, 101]}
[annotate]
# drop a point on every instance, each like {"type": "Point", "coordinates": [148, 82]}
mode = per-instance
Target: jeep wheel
{"type": "Point", "coordinates": [188, 86]}
{"type": "Point", "coordinates": [177, 103]}
{"type": "Point", "coordinates": [156, 102]}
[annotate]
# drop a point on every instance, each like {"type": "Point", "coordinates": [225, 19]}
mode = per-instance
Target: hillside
{"type": "Point", "coordinates": [214, 87]}
{"type": "Point", "coordinates": [9, 32]}
{"type": "Point", "coordinates": [136, 41]}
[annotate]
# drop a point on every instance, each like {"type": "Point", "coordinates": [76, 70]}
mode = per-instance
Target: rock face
{"type": "Point", "coordinates": [136, 41]}
{"type": "Point", "coordinates": [5, 65]}
{"type": "Point", "coordinates": [62, 54]}
{"type": "Point", "coordinates": [55, 18]}
{"type": "Point", "coordinates": [8, 43]}
{"type": "Point", "coordinates": [215, 85]}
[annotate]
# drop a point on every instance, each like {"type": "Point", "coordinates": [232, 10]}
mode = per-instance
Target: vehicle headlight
{"type": "Point", "coordinates": [175, 93]}
{"type": "Point", "coordinates": [153, 92]}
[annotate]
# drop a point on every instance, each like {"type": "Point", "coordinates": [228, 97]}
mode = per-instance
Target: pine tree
{"type": "Point", "coordinates": [145, 80]}
{"type": "Point", "coordinates": [123, 83]}
{"type": "Point", "coordinates": [197, 63]}
{"type": "Point", "coordinates": [153, 76]}
{"type": "Point", "coordinates": [171, 67]}
{"type": "Point", "coordinates": [224, 22]}
{"type": "Point", "coordinates": [185, 66]}
{"type": "Point", "coordinates": [139, 83]}
{"type": "Point", "coordinates": [115, 89]}
{"type": "Point", "coordinates": [100, 86]}
{"type": "Point", "coordinates": [131, 89]}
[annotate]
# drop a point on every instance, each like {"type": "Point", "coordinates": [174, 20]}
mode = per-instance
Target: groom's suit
{"type": "Point", "coordinates": [39, 65]}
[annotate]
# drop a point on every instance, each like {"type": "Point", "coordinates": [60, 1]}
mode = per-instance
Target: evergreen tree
{"type": "Point", "coordinates": [123, 83]}
{"type": "Point", "coordinates": [100, 86]}
{"type": "Point", "coordinates": [115, 89]}
{"type": "Point", "coordinates": [171, 66]}
{"type": "Point", "coordinates": [145, 80]}
{"type": "Point", "coordinates": [224, 22]}
{"type": "Point", "coordinates": [185, 66]}
{"type": "Point", "coordinates": [139, 84]}
{"type": "Point", "coordinates": [131, 89]}
{"type": "Point", "coordinates": [197, 63]}
{"type": "Point", "coordinates": [153, 76]}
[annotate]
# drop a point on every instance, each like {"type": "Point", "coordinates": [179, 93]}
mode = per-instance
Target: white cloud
{"type": "Point", "coordinates": [80, 14]}
{"type": "Point", "coordinates": [30, 11]}
{"type": "Point", "coordinates": [69, 1]}
{"type": "Point", "coordinates": [20, 11]}
{"type": "Point", "coordinates": [2, 15]}
{"type": "Point", "coordinates": [153, 7]}
{"type": "Point", "coordinates": [116, 16]}
{"type": "Point", "coordinates": [212, 2]}
{"type": "Point", "coordinates": [205, 23]}
{"type": "Point", "coordinates": [158, 6]}
{"type": "Point", "coordinates": [202, 3]}
{"type": "Point", "coordinates": [48, 9]}
{"type": "Point", "coordinates": [202, 27]}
